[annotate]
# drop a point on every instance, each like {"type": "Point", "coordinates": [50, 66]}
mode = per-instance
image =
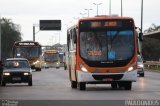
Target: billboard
{"type": "Point", "coordinates": [50, 24]}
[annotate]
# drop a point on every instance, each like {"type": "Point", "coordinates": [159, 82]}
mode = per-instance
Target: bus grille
{"type": "Point", "coordinates": [114, 76]}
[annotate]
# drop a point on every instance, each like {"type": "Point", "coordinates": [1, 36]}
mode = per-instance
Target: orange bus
{"type": "Point", "coordinates": [51, 59]}
{"type": "Point", "coordinates": [30, 50]}
{"type": "Point", "coordinates": [102, 50]}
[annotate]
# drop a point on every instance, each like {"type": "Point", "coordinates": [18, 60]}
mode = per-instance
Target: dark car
{"type": "Point", "coordinates": [16, 70]}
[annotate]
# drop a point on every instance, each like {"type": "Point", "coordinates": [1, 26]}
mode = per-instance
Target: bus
{"type": "Point", "coordinates": [30, 50]}
{"type": "Point", "coordinates": [102, 50]}
{"type": "Point", "coordinates": [62, 58]}
{"type": "Point", "coordinates": [51, 58]}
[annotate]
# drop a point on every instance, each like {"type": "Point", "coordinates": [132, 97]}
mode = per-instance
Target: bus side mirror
{"type": "Point", "coordinates": [141, 36]}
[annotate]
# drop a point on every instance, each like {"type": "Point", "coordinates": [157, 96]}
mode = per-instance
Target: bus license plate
{"type": "Point", "coordinates": [108, 79]}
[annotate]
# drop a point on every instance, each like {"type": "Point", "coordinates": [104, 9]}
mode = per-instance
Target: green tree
{"type": "Point", "coordinates": [10, 33]}
{"type": "Point", "coordinates": [151, 45]}
{"type": "Point", "coordinates": [152, 28]}
{"type": "Point", "coordinates": [151, 49]}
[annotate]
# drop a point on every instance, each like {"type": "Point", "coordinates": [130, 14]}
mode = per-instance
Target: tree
{"type": "Point", "coordinates": [152, 28]}
{"type": "Point", "coordinates": [151, 46]}
{"type": "Point", "coordinates": [10, 33]}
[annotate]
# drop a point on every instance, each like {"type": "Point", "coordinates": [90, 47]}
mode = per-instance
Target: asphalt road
{"type": "Point", "coordinates": [54, 84]}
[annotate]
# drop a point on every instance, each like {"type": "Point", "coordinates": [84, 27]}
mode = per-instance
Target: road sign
{"type": "Point", "coordinates": [50, 24]}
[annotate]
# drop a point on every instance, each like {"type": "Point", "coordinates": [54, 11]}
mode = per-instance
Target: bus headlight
{"type": "Point", "coordinates": [58, 63]}
{"type": "Point", "coordinates": [36, 62]}
{"type": "Point", "coordinates": [83, 68]}
{"type": "Point", "coordinates": [26, 73]}
{"type": "Point", "coordinates": [130, 68]}
{"type": "Point", "coordinates": [6, 74]}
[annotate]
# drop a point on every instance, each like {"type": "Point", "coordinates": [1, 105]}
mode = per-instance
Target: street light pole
{"type": "Point", "coordinates": [0, 39]}
{"type": "Point", "coordinates": [33, 33]}
{"type": "Point", "coordinates": [121, 8]}
{"type": "Point", "coordinates": [141, 16]}
{"type": "Point", "coordinates": [97, 4]}
{"type": "Point", "coordinates": [83, 14]}
{"type": "Point", "coordinates": [88, 11]}
{"type": "Point", "coordinates": [110, 7]}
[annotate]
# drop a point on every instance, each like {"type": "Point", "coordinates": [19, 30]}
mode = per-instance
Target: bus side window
{"type": "Point", "coordinates": [68, 39]}
{"type": "Point", "coordinates": [74, 36]}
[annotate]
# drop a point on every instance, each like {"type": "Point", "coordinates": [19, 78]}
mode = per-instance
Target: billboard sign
{"type": "Point", "coordinates": [50, 24]}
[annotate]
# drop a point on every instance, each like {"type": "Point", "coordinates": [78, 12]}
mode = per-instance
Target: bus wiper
{"type": "Point", "coordinates": [99, 42]}
{"type": "Point", "coordinates": [117, 33]}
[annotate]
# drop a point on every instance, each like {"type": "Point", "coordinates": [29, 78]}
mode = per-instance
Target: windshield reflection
{"type": "Point", "coordinates": [28, 53]}
{"type": "Point", "coordinates": [106, 46]}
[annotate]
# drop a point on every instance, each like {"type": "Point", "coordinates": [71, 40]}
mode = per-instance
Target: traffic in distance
{"type": "Point", "coordinates": [51, 58]}
{"type": "Point", "coordinates": [100, 50]}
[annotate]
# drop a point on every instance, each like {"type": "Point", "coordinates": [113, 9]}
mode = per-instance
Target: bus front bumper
{"type": "Point", "coordinates": [106, 77]}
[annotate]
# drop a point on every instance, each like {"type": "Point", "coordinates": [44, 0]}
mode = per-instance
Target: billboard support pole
{"type": "Point", "coordinates": [33, 33]}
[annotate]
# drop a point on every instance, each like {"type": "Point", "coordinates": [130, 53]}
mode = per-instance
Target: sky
{"type": "Point", "coordinates": [27, 13]}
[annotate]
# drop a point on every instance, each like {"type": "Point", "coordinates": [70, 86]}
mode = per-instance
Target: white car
{"type": "Point", "coordinates": [140, 66]}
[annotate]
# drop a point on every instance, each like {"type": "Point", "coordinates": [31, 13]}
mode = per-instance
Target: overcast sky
{"type": "Point", "coordinates": [29, 12]}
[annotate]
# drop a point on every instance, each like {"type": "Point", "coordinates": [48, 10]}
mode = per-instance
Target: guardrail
{"type": "Point", "coordinates": [152, 65]}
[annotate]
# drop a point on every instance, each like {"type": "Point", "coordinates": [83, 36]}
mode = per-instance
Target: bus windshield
{"type": "Point", "coordinates": [106, 45]}
{"type": "Point", "coordinates": [28, 52]}
{"type": "Point", "coordinates": [51, 57]}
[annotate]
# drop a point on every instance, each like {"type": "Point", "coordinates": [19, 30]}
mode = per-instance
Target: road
{"type": "Point", "coordinates": [53, 84]}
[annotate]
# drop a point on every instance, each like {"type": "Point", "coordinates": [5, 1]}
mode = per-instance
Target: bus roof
{"type": "Point", "coordinates": [104, 17]}
{"type": "Point", "coordinates": [101, 17]}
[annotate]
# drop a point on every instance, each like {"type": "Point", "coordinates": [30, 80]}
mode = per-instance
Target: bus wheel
{"type": "Point", "coordinates": [38, 69]}
{"type": "Point", "coordinates": [73, 84]}
{"type": "Point", "coordinates": [128, 85]}
{"type": "Point", "coordinates": [82, 86]}
{"type": "Point", "coordinates": [65, 67]}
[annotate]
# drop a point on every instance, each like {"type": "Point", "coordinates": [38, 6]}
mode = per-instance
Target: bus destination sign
{"type": "Point", "coordinates": [26, 44]}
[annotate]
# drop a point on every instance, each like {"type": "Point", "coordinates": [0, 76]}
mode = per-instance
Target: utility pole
{"type": "Point", "coordinates": [33, 32]}
{"type": "Point", "coordinates": [141, 16]}
{"type": "Point", "coordinates": [110, 7]}
{"type": "Point", "coordinates": [121, 8]}
{"type": "Point", "coordinates": [0, 40]}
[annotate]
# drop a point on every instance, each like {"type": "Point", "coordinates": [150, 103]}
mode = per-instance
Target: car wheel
{"type": "Point", "coordinates": [3, 83]}
{"type": "Point", "coordinates": [142, 75]}
{"type": "Point", "coordinates": [30, 82]}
